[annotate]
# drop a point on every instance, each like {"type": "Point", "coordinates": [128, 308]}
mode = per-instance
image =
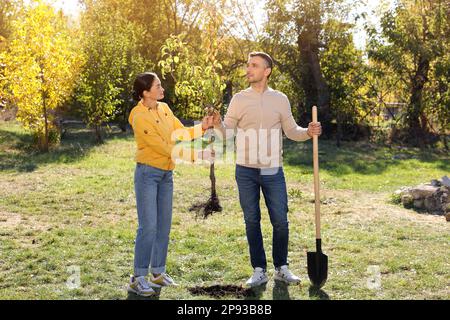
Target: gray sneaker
{"type": "Point", "coordinates": [140, 286]}
{"type": "Point", "coordinates": [285, 275]}
{"type": "Point", "coordinates": [258, 278]}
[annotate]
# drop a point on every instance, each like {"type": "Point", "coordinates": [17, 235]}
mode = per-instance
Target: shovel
{"type": "Point", "coordinates": [317, 261]}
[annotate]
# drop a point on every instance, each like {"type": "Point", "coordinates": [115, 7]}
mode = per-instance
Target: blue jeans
{"type": "Point", "coordinates": [273, 185]}
{"type": "Point", "coordinates": [154, 193]}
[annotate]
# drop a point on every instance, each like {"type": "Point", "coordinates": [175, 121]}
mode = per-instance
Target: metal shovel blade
{"type": "Point", "coordinates": [317, 266]}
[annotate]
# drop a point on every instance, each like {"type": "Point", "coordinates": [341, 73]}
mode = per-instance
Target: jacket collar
{"type": "Point", "coordinates": [253, 91]}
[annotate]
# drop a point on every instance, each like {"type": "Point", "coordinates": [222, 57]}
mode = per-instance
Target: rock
{"type": "Point", "coordinates": [418, 204]}
{"type": "Point", "coordinates": [431, 204]}
{"type": "Point", "coordinates": [436, 183]}
{"type": "Point", "coordinates": [402, 191]}
{"type": "Point", "coordinates": [423, 191]}
{"type": "Point", "coordinates": [407, 200]}
{"type": "Point", "coordinates": [444, 189]}
{"type": "Point", "coordinates": [433, 197]}
{"type": "Point", "coordinates": [445, 181]}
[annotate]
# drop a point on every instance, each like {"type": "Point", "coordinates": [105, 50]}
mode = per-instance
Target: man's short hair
{"type": "Point", "coordinates": [268, 59]}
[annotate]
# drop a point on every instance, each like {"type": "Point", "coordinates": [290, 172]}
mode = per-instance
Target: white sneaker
{"type": "Point", "coordinates": [285, 275]}
{"type": "Point", "coordinates": [140, 286]}
{"type": "Point", "coordinates": [258, 278]}
{"type": "Point", "coordinates": [163, 280]}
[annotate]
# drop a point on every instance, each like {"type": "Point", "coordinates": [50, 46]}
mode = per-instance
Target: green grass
{"type": "Point", "coordinates": [75, 207]}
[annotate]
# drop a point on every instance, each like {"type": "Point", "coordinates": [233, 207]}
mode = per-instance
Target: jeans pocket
{"type": "Point", "coordinates": [241, 172]}
{"type": "Point", "coordinates": [148, 173]}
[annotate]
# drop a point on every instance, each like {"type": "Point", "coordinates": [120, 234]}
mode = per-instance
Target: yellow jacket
{"type": "Point", "coordinates": [156, 132]}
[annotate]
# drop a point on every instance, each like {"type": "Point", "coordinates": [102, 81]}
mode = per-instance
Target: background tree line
{"type": "Point", "coordinates": [54, 66]}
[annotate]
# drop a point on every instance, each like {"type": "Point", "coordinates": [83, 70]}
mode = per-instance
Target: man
{"type": "Point", "coordinates": [257, 116]}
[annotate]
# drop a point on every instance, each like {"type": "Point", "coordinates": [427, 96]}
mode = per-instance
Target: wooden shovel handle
{"type": "Point", "coordinates": [316, 175]}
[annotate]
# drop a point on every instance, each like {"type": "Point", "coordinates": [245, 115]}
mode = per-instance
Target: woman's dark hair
{"type": "Point", "coordinates": [144, 81]}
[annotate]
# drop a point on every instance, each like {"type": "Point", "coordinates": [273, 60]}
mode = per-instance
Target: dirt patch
{"type": "Point", "coordinates": [361, 207]}
{"type": "Point", "coordinates": [219, 291]}
{"type": "Point", "coordinates": [21, 228]}
{"type": "Point", "coordinates": [9, 220]}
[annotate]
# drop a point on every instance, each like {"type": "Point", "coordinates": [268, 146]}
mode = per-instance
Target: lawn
{"type": "Point", "coordinates": [74, 209]}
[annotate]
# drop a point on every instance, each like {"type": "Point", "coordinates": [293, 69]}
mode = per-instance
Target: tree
{"type": "Point", "coordinates": [294, 37]}
{"type": "Point", "coordinates": [223, 23]}
{"type": "Point", "coordinates": [438, 99]}
{"type": "Point", "coordinates": [111, 45]}
{"type": "Point", "coordinates": [345, 72]}
{"type": "Point", "coordinates": [197, 85]}
{"type": "Point", "coordinates": [196, 77]}
{"type": "Point", "coordinates": [41, 66]}
{"type": "Point", "coordinates": [312, 45]}
{"type": "Point", "coordinates": [8, 9]}
{"type": "Point", "coordinates": [411, 42]}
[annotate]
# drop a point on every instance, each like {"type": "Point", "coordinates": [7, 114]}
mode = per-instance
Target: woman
{"type": "Point", "coordinates": [153, 124]}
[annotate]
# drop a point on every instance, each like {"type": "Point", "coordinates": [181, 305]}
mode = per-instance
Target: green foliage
{"type": "Point", "coordinates": [345, 72]}
{"type": "Point", "coordinates": [395, 198]}
{"type": "Point", "coordinates": [413, 44]}
{"type": "Point", "coordinates": [314, 50]}
{"type": "Point", "coordinates": [111, 45]}
{"type": "Point", "coordinates": [196, 76]}
{"type": "Point", "coordinates": [201, 48]}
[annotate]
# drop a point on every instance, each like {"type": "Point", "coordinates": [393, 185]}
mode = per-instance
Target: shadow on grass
{"type": "Point", "coordinates": [17, 153]}
{"type": "Point", "coordinates": [133, 296]}
{"type": "Point", "coordinates": [257, 292]}
{"type": "Point", "coordinates": [362, 158]}
{"type": "Point", "coordinates": [221, 291]}
{"type": "Point", "coordinates": [280, 291]}
{"type": "Point", "coordinates": [318, 294]}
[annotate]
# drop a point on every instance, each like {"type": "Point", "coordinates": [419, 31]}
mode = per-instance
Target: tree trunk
{"type": "Point", "coordinates": [212, 176]}
{"type": "Point", "coordinates": [98, 133]}
{"type": "Point", "coordinates": [43, 145]}
{"type": "Point", "coordinates": [338, 129]}
{"type": "Point", "coordinates": [416, 129]}
{"type": "Point", "coordinates": [314, 85]}
{"type": "Point", "coordinates": [444, 139]}
{"type": "Point", "coordinates": [228, 92]}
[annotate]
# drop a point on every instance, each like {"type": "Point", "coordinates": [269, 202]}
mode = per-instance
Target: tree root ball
{"type": "Point", "coordinates": [208, 208]}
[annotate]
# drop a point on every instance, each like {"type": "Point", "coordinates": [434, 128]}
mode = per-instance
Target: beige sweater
{"type": "Point", "coordinates": [257, 120]}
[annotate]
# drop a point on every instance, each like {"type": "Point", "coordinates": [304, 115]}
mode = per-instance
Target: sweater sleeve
{"type": "Point", "coordinates": [292, 130]}
{"type": "Point", "coordinates": [187, 133]}
{"type": "Point", "coordinates": [181, 132]}
{"type": "Point", "coordinates": [231, 119]}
